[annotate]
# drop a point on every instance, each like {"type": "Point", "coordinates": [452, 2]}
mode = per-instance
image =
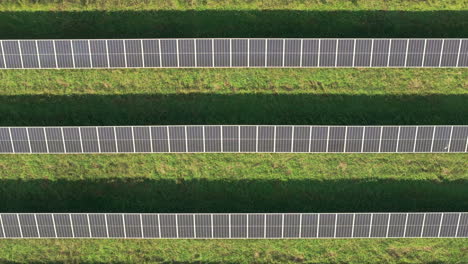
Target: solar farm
{"type": "Point", "coordinates": [233, 132]}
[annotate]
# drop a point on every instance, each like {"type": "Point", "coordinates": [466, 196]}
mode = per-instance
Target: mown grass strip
{"type": "Point", "coordinates": [234, 96]}
{"type": "Point", "coordinates": [234, 183]}
{"type": "Point", "coordinates": [363, 81]}
{"type": "Point", "coordinates": [232, 23]}
{"type": "Point", "coordinates": [240, 251]}
{"type": "Point", "coordinates": [230, 4]}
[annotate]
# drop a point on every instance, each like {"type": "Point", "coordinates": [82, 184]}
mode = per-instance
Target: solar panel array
{"type": "Point", "coordinates": [295, 225]}
{"type": "Point", "coordinates": [179, 139]}
{"type": "Point", "coordinates": [168, 53]}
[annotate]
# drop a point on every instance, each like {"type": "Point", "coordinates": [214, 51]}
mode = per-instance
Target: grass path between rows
{"type": "Point", "coordinates": [230, 183]}
{"type": "Point", "coordinates": [234, 96]}
{"type": "Point", "coordinates": [239, 251]}
{"type": "Point", "coordinates": [412, 5]}
{"type": "Point", "coordinates": [319, 81]}
{"type": "Point", "coordinates": [28, 19]}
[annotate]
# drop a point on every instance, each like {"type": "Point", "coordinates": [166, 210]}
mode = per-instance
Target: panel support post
{"type": "Point", "coordinates": [441, 52]}
{"type": "Point", "coordinates": [424, 53]}
{"type": "Point", "coordinates": [415, 139]}
{"type": "Point", "coordinates": [107, 53]}
{"type": "Point", "coordinates": [302, 45]}
{"type": "Point", "coordinates": [389, 50]}
{"type": "Point", "coordinates": [458, 55]}
{"type": "Point", "coordinates": [71, 225]}
{"type": "Point", "coordinates": [398, 138]}
{"type": "Point", "coordinates": [300, 225]}
{"type": "Point", "coordinates": [284, 50]}
{"type": "Point", "coordinates": [406, 225]}
{"type": "Point", "coordinates": [380, 139]}
{"type": "Point", "coordinates": [274, 140]}
{"type": "Point", "coordinates": [345, 139]}
{"type": "Point", "coordinates": [55, 54]}
{"type": "Point", "coordinates": [406, 53]}
{"type": "Point", "coordinates": [160, 54]}
{"type": "Point", "coordinates": [458, 225]}
{"type": "Point", "coordinates": [195, 51]}
{"type": "Point", "coordinates": [292, 139]}
{"type": "Point", "coordinates": [354, 52]}
{"type": "Point", "coordinates": [90, 58]}
{"type": "Point", "coordinates": [72, 53]}
{"type": "Point", "coordinates": [21, 55]}
{"type": "Point", "coordinates": [168, 140]}
{"type": "Point", "coordinates": [450, 140]}
{"type": "Point", "coordinates": [230, 53]}
{"type": "Point", "coordinates": [125, 53]}
{"type": "Point", "coordinates": [13, 145]}
{"type": "Point", "coordinates": [55, 226]}
{"type": "Point", "coordinates": [38, 59]}
{"type": "Point", "coordinates": [363, 137]}
{"type": "Point", "coordinates": [256, 139]}
{"type": "Point", "coordinates": [3, 52]}
{"type": "Point", "coordinates": [433, 136]}
{"type": "Point", "coordinates": [186, 139]}
{"type": "Point", "coordinates": [177, 51]}
{"type": "Point", "coordinates": [20, 225]}
{"type": "Point", "coordinates": [248, 53]}
{"type": "Point", "coordinates": [142, 54]}
{"type": "Point", "coordinates": [336, 53]}
{"type": "Point", "coordinates": [423, 223]}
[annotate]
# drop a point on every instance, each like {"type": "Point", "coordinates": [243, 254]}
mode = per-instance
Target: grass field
{"type": "Point", "coordinates": [233, 182]}
{"type": "Point", "coordinates": [231, 5]}
{"type": "Point", "coordinates": [235, 96]}
{"type": "Point", "coordinates": [240, 251]}
{"type": "Point", "coordinates": [232, 18]}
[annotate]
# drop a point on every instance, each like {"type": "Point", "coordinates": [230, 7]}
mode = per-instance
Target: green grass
{"type": "Point", "coordinates": [232, 4]}
{"type": "Point", "coordinates": [234, 183]}
{"type": "Point", "coordinates": [240, 251]}
{"type": "Point", "coordinates": [232, 23]}
{"type": "Point", "coordinates": [233, 18]}
{"type": "Point", "coordinates": [234, 96]}
{"type": "Point", "coordinates": [321, 81]}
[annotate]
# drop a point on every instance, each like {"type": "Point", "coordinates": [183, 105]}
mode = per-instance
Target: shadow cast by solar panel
{"type": "Point", "coordinates": [256, 109]}
{"type": "Point", "coordinates": [231, 196]}
{"type": "Point", "coordinates": [235, 23]}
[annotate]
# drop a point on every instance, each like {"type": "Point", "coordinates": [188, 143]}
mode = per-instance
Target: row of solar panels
{"type": "Point", "coordinates": [143, 139]}
{"type": "Point", "coordinates": [342, 225]}
{"type": "Point", "coordinates": [148, 53]}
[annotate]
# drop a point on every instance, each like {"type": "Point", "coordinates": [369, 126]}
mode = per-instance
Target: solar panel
{"type": "Point", "coordinates": [182, 53]}
{"type": "Point", "coordinates": [258, 225]}
{"type": "Point", "coordinates": [237, 139]}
